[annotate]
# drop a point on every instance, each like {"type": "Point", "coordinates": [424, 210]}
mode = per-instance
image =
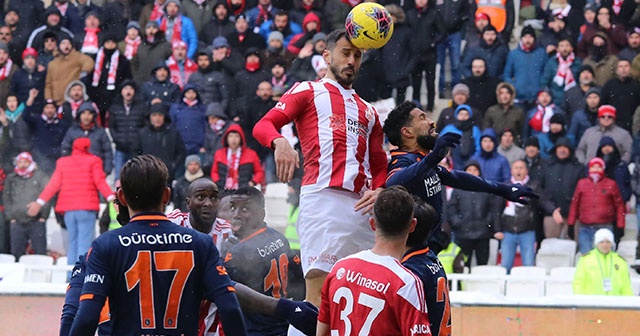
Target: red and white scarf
{"type": "Point", "coordinates": [113, 69]}
{"type": "Point", "coordinates": [90, 45]}
{"type": "Point", "coordinates": [156, 13]}
{"type": "Point", "coordinates": [176, 35]}
{"type": "Point", "coordinates": [542, 118]}
{"type": "Point", "coordinates": [75, 105]}
{"type": "Point", "coordinates": [617, 6]}
{"type": "Point", "coordinates": [526, 49]}
{"type": "Point", "coordinates": [510, 209]}
{"type": "Point", "coordinates": [131, 48]}
{"type": "Point", "coordinates": [62, 8]}
{"type": "Point", "coordinates": [25, 172]}
{"type": "Point", "coordinates": [178, 77]}
{"type": "Point", "coordinates": [6, 69]}
{"type": "Point", "coordinates": [564, 76]}
{"type": "Point", "coordinates": [233, 163]}
{"type": "Point", "coordinates": [190, 103]}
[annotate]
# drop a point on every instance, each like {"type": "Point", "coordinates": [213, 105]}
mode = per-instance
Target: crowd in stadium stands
{"type": "Point", "coordinates": [189, 79]}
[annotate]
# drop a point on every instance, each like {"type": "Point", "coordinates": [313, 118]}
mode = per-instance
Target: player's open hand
{"type": "Point", "coordinates": [287, 160]}
{"type": "Point", "coordinates": [302, 315]}
{"type": "Point", "coordinates": [518, 193]}
{"type": "Point", "coordinates": [444, 142]}
{"type": "Point", "coordinates": [366, 202]}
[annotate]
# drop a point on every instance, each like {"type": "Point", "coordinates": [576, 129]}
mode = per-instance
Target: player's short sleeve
{"type": "Point", "coordinates": [97, 280]}
{"type": "Point", "coordinates": [412, 317]}
{"type": "Point", "coordinates": [295, 100]}
{"type": "Point", "coordinates": [216, 279]}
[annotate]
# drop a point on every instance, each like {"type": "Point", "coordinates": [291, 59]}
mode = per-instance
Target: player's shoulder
{"type": "Point", "coordinates": [222, 224]}
{"type": "Point", "coordinates": [178, 217]}
{"type": "Point", "coordinates": [300, 88]}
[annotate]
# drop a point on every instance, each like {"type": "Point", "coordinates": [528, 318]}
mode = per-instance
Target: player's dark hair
{"type": "Point", "coordinates": [393, 211]}
{"type": "Point", "coordinates": [144, 179]}
{"type": "Point", "coordinates": [254, 195]}
{"type": "Point", "coordinates": [398, 118]}
{"type": "Point", "coordinates": [427, 218]}
{"type": "Point", "coordinates": [335, 36]}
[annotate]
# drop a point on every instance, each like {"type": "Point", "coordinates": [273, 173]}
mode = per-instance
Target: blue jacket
{"type": "Point", "coordinates": [550, 69]}
{"type": "Point", "coordinates": [616, 169]}
{"type": "Point", "coordinates": [580, 121]}
{"type": "Point", "coordinates": [190, 122]}
{"type": "Point", "coordinates": [522, 70]}
{"type": "Point", "coordinates": [188, 35]}
{"type": "Point", "coordinates": [47, 137]}
{"type": "Point", "coordinates": [22, 82]}
{"type": "Point", "coordinates": [288, 33]}
{"type": "Point", "coordinates": [494, 56]}
{"type": "Point", "coordinates": [252, 15]}
{"type": "Point", "coordinates": [459, 158]}
{"type": "Point", "coordinates": [494, 167]}
{"type": "Point", "coordinates": [546, 144]}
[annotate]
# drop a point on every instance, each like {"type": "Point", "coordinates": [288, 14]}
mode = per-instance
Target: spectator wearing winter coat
{"type": "Point", "coordinates": [276, 51]}
{"type": "Point", "coordinates": [633, 45]}
{"type": "Point", "coordinates": [193, 171]}
{"type": "Point", "coordinates": [615, 34]}
{"type": "Point", "coordinates": [48, 52]}
{"type": "Point", "coordinates": [470, 140]}
{"type": "Point", "coordinates": [491, 49]}
{"type": "Point", "coordinates": [188, 118]}
{"type": "Point", "coordinates": [557, 130]}
{"type": "Point", "coordinates": [400, 54]}
{"type": "Point", "coordinates": [474, 219]}
{"type": "Point", "coordinates": [218, 25]}
{"type": "Point", "coordinates": [28, 77]}
{"type": "Point", "coordinates": [454, 17]}
{"type": "Point", "coordinates": [160, 139]}
{"type": "Point", "coordinates": [282, 23]}
{"type": "Point", "coordinates": [505, 114]}
{"type": "Point", "coordinates": [30, 13]}
{"type": "Point", "coordinates": [246, 81]}
{"type": "Point", "coordinates": [561, 71]}
{"type": "Point", "coordinates": [68, 66]}
{"type": "Point", "coordinates": [20, 188]}
{"type": "Point", "coordinates": [538, 117]}
{"type": "Point", "coordinates": [555, 31]}
{"type": "Point", "coordinates": [7, 70]}
{"type": "Point", "coordinates": [459, 96]}
{"type": "Point", "coordinates": [129, 46]}
{"type": "Point", "coordinates": [261, 13]}
{"type": "Point", "coordinates": [180, 66]}
{"type": "Point", "coordinates": [573, 98]}
{"type": "Point", "coordinates": [116, 14]}
{"type": "Point", "coordinates": [560, 176]}
{"type": "Point", "coordinates": [597, 204]}
{"type": "Point", "coordinates": [53, 25]}
{"type": "Point", "coordinates": [77, 181]}
{"type": "Point", "coordinates": [70, 18]}
{"type": "Point", "coordinates": [91, 38]}
{"type": "Point", "coordinates": [520, 222]}
{"type": "Point", "coordinates": [47, 131]}
{"type": "Point", "coordinates": [14, 35]}
{"type": "Point", "coordinates": [153, 50]}
{"type": "Point", "coordinates": [525, 62]}
{"type": "Point", "coordinates": [18, 131]}
{"type": "Point", "coordinates": [243, 38]}
{"type": "Point", "coordinates": [151, 12]}
{"type": "Point", "coordinates": [533, 159]}
{"type": "Point", "coordinates": [429, 31]}
{"type": "Point", "coordinates": [74, 96]}
{"type": "Point", "coordinates": [211, 83]}
{"type": "Point", "coordinates": [598, 58]}
{"type": "Point", "coordinates": [494, 167]}
{"type": "Point", "coordinates": [259, 104]}
{"type": "Point", "coordinates": [200, 12]}
{"type": "Point", "coordinates": [127, 116]}
{"type": "Point", "coordinates": [508, 149]}
{"type": "Point", "coordinates": [85, 126]}
{"type": "Point", "coordinates": [235, 165]}
{"type": "Point", "coordinates": [217, 124]}
{"type": "Point", "coordinates": [85, 7]}
{"type": "Point", "coordinates": [615, 168]}
{"type": "Point", "coordinates": [178, 27]}
{"type": "Point", "coordinates": [225, 59]}
{"type": "Point", "coordinates": [302, 8]}
{"type": "Point", "coordinates": [111, 69]}
{"type": "Point", "coordinates": [587, 116]}
{"type": "Point", "coordinates": [590, 141]}
{"type": "Point", "coordinates": [310, 26]}
{"type": "Point", "coordinates": [622, 93]}
{"type": "Point", "coordinates": [160, 89]}
{"type": "Point", "coordinates": [281, 81]}
{"type": "Point", "coordinates": [482, 87]}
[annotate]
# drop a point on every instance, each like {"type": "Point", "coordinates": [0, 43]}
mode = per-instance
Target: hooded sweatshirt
{"type": "Point", "coordinates": [190, 121]}
{"type": "Point", "coordinates": [494, 166]}
{"type": "Point", "coordinates": [242, 167]}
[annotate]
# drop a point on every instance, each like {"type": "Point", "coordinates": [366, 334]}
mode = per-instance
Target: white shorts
{"type": "Point", "coordinates": [329, 229]}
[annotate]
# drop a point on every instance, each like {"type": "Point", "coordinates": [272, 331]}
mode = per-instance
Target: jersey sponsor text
{"type": "Point", "coordinates": [153, 239]}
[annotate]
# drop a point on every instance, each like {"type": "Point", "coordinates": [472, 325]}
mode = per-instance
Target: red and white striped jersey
{"type": "Point", "coordinates": [340, 135]}
{"type": "Point", "coordinates": [208, 324]}
{"type": "Point", "coordinates": [369, 294]}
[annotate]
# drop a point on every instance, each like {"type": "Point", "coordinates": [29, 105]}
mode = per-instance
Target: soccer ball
{"type": "Point", "coordinates": [369, 25]}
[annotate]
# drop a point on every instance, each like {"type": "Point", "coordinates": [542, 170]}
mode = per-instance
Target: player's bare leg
{"type": "Point", "coordinates": [313, 282]}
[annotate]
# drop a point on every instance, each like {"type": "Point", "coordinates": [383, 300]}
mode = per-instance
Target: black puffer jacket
{"type": "Point", "coordinates": [560, 177]}
{"type": "Point", "coordinates": [163, 142]}
{"type": "Point", "coordinates": [100, 143]}
{"type": "Point", "coordinates": [528, 217]}
{"type": "Point", "coordinates": [429, 29]}
{"type": "Point", "coordinates": [124, 126]}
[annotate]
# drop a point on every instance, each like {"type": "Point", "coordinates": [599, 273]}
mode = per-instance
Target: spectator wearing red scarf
{"type": "Point", "coordinates": [235, 165]}
{"type": "Point", "coordinates": [178, 27]}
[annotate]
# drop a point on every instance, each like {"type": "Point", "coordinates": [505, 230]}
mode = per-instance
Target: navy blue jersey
{"type": "Point", "coordinates": [410, 170]}
{"type": "Point", "coordinates": [425, 264]}
{"type": "Point", "coordinates": [155, 274]}
{"type": "Point", "coordinates": [264, 262]}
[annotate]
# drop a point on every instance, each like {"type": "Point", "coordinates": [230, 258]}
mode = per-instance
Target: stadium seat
{"type": "Point", "coordinates": [627, 250]}
{"type": "Point", "coordinates": [277, 208]}
{"type": "Point", "coordinates": [488, 286]}
{"type": "Point", "coordinates": [526, 281]}
{"type": "Point", "coordinates": [560, 281]}
{"type": "Point", "coordinates": [559, 246]}
{"type": "Point", "coordinates": [549, 260]}
{"type": "Point", "coordinates": [12, 272]}
{"type": "Point", "coordinates": [60, 271]}
{"type": "Point", "coordinates": [62, 261]}
{"type": "Point", "coordinates": [36, 275]}
{"type": "Point", "coordinates": [7, 258]}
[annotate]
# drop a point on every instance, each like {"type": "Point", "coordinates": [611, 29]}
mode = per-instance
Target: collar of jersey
{"type": "Point", "coordinates": [400, 152]}
{"type": "Point", "coordinates": [415, 251]}
{"type": "Point", "coordinates": [149, 216]}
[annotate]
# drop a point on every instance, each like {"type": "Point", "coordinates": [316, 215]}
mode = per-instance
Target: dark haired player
{"type": "Point", "coordinates": [370, 293]}
{"type": "Point", "coordinates": [414, 133]}
{"type": "Point", "coordinates": [260, 258]}
{"type": "Point", "coordinates": [154, 272]}
{"type": "Point", "coordinates": [420, 260]}
{"type": "Point", "coordinates": [344, 162]}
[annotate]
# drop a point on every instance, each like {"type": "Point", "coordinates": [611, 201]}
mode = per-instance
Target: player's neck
{"type": "Point", "coordinates": [389, 247]}
{"type": "Point", "coordinates": [413, 147]}
{"type": "Point", "coordinates": [137, 212]}
{"type": "Point", "coordinates": [200, 225]}
{"type": "Point", "coordinates": [330, 76]}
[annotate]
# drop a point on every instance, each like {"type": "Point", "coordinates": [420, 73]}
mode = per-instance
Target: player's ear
{"type": "Point", "coordinates": [120, 196]}
{"type": "Point", "coordinates": [372, 223]}
{"type": "Point", "coordinates": [406, 132]}
{"type": "Point", "coordinates": [412, 227]}
{"type": "Point", "coordinates": [166, 196]}
{"type": "Point", "coordinates": [326, 54]}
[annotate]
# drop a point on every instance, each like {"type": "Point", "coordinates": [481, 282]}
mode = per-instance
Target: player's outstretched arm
{"type": "Point", "coordinates": [302, 315]}
{"type": "Point", "coordinates": [461, 180]}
